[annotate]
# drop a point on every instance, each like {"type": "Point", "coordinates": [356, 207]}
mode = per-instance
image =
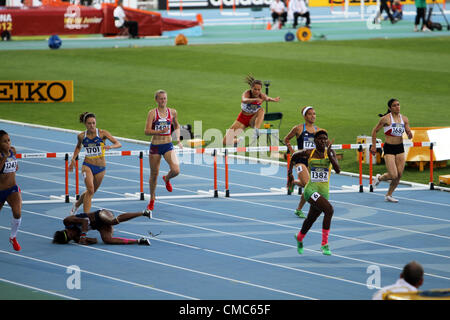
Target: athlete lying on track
{"type": "Point", "coordinates": [101, 220]}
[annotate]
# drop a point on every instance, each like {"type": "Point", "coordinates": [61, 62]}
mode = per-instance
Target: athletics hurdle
{"type": "Point", "coordinates": [65, 155]}
{"type": "Point", "coordinates": [407, 144]}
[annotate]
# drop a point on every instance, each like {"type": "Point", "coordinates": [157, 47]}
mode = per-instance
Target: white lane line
{"type": "Point", "coordinates": [158, 263]}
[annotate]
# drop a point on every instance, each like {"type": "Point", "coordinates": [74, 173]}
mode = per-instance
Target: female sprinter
{"type": "Point", "coordinates": [320, 161]}
{"type": "Point", "coordinates": [94, 164]}
{"type": "Point", "coordinates": [394, 125]}
{"type": "Point", "coordinates": [159, 126]}
{"type": "Point", "coordinates": [9, 191]}
{"type": "Point", "coordinates": [251, 115]}
{"type": "Point", "coordinates": [304, 133]}
{"type": "Point", "coordinates": [78, 225]}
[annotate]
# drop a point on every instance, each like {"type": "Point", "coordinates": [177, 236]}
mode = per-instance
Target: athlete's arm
{"type": "Point", "coordinates": [380, 124]}
{"type": "Point", "coordinates": [116, 144]}
{"type": "Point", "coordinates": [270, 99]}
{"type": "Point", "coordinates": [76, 151]}
{"type": "Point", "coordinates": [290, 135]}
{"type": "Point", "coordinates": [3, 159]}
{"type": "Point", "coordinates": [246, 98]}
{"type": "Point", "coordinates": [407, 128]}
{"type": "Point", "coordinates": [332, 156]}
{"type": "Point", "coordinates": [86, 240]}
{"type": "Point", "coordinates": [176, 127]}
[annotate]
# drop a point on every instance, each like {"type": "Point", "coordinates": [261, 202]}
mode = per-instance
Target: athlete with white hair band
{"type": "Point", "coordinates": [304, 134]}
{"type": "Point", "coordinates": [77, 227]}
{"type": "Point", "coordinates": [94, 164]}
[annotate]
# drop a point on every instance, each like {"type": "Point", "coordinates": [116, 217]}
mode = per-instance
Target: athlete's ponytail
{"type": "Point", "coordinates": [251, 81]}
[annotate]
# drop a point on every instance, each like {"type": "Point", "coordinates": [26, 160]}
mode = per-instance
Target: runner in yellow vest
{"type": "Point", "coordinates": [320, 161]}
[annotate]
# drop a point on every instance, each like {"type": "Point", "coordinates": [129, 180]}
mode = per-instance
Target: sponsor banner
{"type": "Point", "coordinates": [50, 20]}
{"type": "Point", "coordinates": [35, 91]}
{"type": "Point", "coordinates": [229, 4]}
{"type": "Point", "coordinates": [74, 19]}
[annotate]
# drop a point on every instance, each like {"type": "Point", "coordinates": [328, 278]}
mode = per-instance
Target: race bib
{"type": "Point", "coordinates": [10, 166]}
{"type": "Point", "coordinates": [397, 130]}
{"type": "Point", "coordinates": [94, 151]}
{"type": "Point", "coordinates": [319, 174]}
{"type": "Point", "coordinates": [315, 196]}
{"type": "Point", "coordinates": [308, 144]}
{"type": "Point", "coordinates": [250, 108]}
{"type": "Point", "coordinates": [162, 125]}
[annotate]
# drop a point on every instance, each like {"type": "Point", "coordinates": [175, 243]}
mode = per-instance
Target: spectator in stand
{"type": "Point", "coordinates": [279, 13]}
{"type": "Point", "coordinates": [121, 21]}
{"type": "Point", "coordinates": [397, 10]}
{"type": "Point", "coordinates": [298, 8]}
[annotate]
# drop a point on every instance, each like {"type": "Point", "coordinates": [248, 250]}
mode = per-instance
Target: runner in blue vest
{"type": "Point", "coordinates": [304, 133]}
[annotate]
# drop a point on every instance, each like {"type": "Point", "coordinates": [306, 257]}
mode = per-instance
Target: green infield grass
{"type": "Point", "coordinates": [348, 82]}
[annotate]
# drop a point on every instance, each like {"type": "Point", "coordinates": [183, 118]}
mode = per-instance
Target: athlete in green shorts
{"type": "Point", "coordinates": [316, 193]}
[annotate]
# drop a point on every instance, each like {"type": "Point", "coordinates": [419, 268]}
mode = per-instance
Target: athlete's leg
{"type": "Point", "coordinates": [15, 202]}
{"type": "Point", "coordinates": [126, 216]}
{"type": "Point", "coordinates": [302, 174]}
{"type": "Point", "coordinates": [392, 174]}
{"type": "Point", "coordinates": [231, 135]}
{"type": "Point", "coordinates": [324, 205]}
{"type": "Point", "coordinates": [313, 214]}
{"type": "Point", "coordinates": [92, 183]}
{"type": "Point", "coordinates": [174, 165]}
{"type": "Point", "coordinates": [318, 204]}
{"type": "Point", "coordinates": [257, 119]}
{"type": "Point", "coordinates": [303, 178]}
{"type": "Point", "coordinates": [154, 161]}
{"type": "Point", "coordinates": [391, 168]}
{"type": "Point", "coordinates": [106, 232]}
{"type": "Point", "coordinates": [399, 167]}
